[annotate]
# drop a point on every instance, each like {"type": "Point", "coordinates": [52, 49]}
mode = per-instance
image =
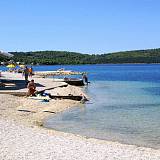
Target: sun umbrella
{"type": "Point", "coordinates": [11, 66]}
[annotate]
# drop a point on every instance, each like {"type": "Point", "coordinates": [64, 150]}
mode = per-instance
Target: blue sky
{"type": "Point", "coordinates": [86, 26]}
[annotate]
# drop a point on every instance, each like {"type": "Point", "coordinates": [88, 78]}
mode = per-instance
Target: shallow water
{"type": "Point", "coordinates": [128, 112]}
{"type": "Point", "coordinates": [124, 105]}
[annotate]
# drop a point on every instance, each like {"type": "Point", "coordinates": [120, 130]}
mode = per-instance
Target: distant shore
{"type": "Point", "coordinates": [82, 64]}
{"type": "Point", "coordinates": [65, 57]}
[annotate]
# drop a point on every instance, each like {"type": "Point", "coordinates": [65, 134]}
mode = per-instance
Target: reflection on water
{"type": "Point", "coordinates": [123, 111]}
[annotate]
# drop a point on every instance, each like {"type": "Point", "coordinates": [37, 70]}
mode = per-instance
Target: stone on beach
{"type": "Point", "coordinates": [22, 142]}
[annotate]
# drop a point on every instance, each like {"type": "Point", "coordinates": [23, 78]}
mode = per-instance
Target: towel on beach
{"type": "Point", "coordinates": [40, 98]}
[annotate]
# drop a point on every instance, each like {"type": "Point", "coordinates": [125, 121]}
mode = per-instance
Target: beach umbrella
{"type": "Point", "coordinates": [11, 66]}
{"type": "Point", "coordinates": [6, 54]}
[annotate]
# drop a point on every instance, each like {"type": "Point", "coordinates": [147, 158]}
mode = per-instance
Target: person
{"type": "Point", "coordinates": [85, 78]}
{"type": "Point", "coordinates": [31, 88]}
{"type": "Point", "coordinates": [26, 73]}
{"type": "Point", "coordinates": [30, 71]}
{"type": "Point", "coordinates": [84, 98]}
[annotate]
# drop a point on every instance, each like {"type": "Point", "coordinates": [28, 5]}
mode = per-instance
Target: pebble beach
{"type": "Point", "coordinates": [23, 137]}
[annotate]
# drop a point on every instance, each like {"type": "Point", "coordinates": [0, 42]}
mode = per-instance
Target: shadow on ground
{"type": "Point", "coordinates": [16, 84]}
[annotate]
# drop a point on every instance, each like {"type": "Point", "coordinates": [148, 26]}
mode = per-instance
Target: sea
{"type": "Point", "coordinates": [123, 106]}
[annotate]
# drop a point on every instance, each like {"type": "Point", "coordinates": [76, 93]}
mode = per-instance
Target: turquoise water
{"type": "Point", "coordinates": [124, 104]}
{"type": "Point", "coordinates": [128, 112]}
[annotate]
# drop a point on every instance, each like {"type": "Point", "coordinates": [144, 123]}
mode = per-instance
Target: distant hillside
{"type": "Point", "coordinates": [63, 57]}
{"type": "Point", "coordinates": [137, 56]}
{"type": "Point", "coordinates": [51, 57]}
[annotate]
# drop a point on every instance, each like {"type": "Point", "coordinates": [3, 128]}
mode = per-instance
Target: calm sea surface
{"type": "Point", "coordinates": [124, 104]}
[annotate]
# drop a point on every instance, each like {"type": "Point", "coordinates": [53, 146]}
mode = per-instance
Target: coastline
{"type": "Point", "coordinates": [22, 138]}
{"type": "Point", "coordinates": [21, 122]}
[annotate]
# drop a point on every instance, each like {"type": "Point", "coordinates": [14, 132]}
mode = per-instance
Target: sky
{"type": "Point", "coordinates": [85, 26]}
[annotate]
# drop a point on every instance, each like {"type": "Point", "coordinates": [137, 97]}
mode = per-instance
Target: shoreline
{"type": "Point", "coordinates": [16, 126]}
{"type": "Point", "coordinates": [21, 122]}
{"type": "Point", "coordinates": [95, 139]}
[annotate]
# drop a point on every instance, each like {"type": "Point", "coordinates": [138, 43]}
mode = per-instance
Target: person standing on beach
{"type": "Point", "coordinates": [85, 78]}
{"type": "Point", "coordinates": [30, 72]}
{"type": "Point", "coordinates": [26, 73]}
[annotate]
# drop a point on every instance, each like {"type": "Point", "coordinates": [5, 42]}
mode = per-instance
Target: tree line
{"type": "Point", "coordinates": [69, 58]}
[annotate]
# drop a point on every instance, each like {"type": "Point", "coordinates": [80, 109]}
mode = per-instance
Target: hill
{"type": "Point", "coordinates": [64, 57]}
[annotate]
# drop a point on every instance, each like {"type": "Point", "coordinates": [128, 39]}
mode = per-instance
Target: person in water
{"type": "Point", "coordinates": [84, 98]}
{"type": "Point", "coordinates": [31, 88]}
{"type": "Point", "coordinates": [85, 78]}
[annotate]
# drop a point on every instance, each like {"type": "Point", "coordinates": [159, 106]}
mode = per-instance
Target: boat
{"type": "Point", "coordinates": [74, 81]}
{"type": "Point", "coordinates": [76, 98]}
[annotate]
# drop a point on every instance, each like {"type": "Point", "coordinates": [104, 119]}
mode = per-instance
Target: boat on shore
{"type": "Point", "coordinates": [74, 81]}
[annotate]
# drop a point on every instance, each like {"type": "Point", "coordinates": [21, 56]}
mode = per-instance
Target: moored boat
{"type": "Point", "coordinates": [74, 81]}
